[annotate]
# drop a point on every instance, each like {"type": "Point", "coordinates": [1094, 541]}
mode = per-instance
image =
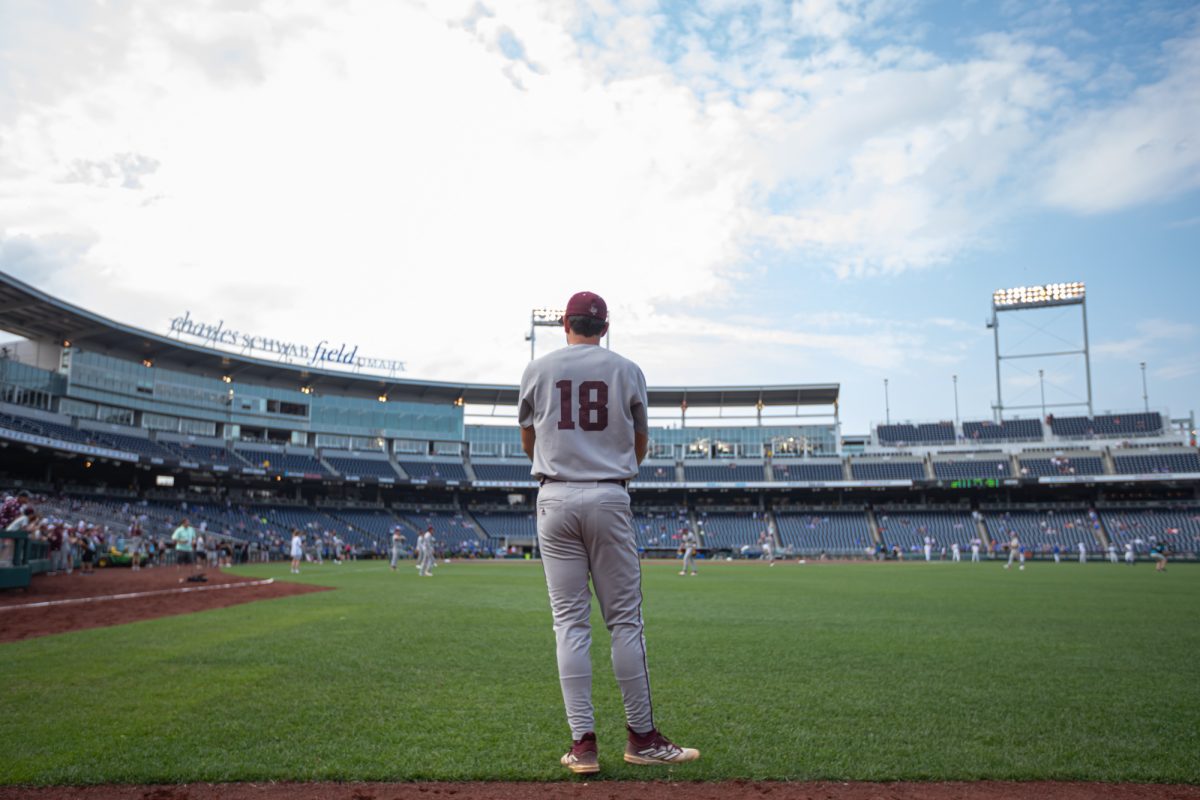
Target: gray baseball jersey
{"type": "Point", "coordinates": [584, 403]}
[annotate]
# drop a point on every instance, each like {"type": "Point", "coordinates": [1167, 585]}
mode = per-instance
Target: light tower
{"type": "Point", "coordinates": [547, 318]}
{"type": "Point", "coordinates": [542, 318]}
{"type": "Point", "coordinates": [1024, 298]}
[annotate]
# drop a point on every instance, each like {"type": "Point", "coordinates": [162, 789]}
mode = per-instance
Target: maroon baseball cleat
{"type": "Point", "coordinates": [581, 758]}
{"type": "Point", "coordinates": [654, 748]}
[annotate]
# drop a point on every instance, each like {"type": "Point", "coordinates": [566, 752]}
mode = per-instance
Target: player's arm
{"type": "Point", "coordinates": [641, 445]}
{"type": "Point", "coordinates": [528, 439]}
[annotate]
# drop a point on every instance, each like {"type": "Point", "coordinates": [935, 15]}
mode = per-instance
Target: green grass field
{"type": "Point", "coordinates": [854, 672]}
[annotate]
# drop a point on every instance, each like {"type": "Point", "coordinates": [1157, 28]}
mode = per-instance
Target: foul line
{"type": "Point", "coordinates": [131, 595]}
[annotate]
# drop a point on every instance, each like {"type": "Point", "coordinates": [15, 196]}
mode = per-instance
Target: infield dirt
{"type": "Point", "coordinates": [21, 616]}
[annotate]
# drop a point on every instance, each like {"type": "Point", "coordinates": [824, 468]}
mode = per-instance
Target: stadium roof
{"type": "Point", "coordinates": [35, 315]}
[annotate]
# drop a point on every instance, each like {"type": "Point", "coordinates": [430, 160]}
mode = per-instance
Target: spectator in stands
{"type": "Point", "coordinates": [184, 538]}
{"type": "Point", "coordinates": [12, 508]}
{"type": "Point", "coordinates": [26, 521]}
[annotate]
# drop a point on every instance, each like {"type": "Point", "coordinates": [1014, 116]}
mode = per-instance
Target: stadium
{"type": "Point", "coordinates": [104, 423]}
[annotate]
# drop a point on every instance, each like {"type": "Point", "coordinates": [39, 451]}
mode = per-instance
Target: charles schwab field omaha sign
{"type": "Point", "coordinates": [323, 354]}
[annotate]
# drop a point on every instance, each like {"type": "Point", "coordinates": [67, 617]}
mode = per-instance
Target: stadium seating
{"type": "Point", "coordinates": [724, 473]}
{"type": "Point", "coordinates": [909, 528]}
{"type": "Point", "coordinates": [1178, 526]}
{"type": "Point", "coordinates": [1061, 465]}
{"type": "Point", "coordinates": [204, 454]}
{"type": "Point", "coordinates": [656, 473]}
{"type": "Point", "coordinates": [1156, 463]}
{"type": "Point", "coordinates": [832, 532]}
{"type": "Point", "coordinates": [434, 470]}
{"type": "Point", "coordinates": [1111, 425]}
{"type": "Point", "coordinates": [808, 471]}
{"type": "Point", "coordinates": [283, 462]}
{"type": "Point", "coordinates": [730, 530]}
{"type": "Point", "coordinates": [923, 433]}
{"type": "Point", "coordinates": [659, 529]}
{"type": "Point", "coordinates": [971, 468]}
{"type": "Point", "coordinates": [887, 470]}
{"type": "Point", "coordinates": [132, 444]}
{"type": "Point", "coordinates": [1010, 430]}
{"type": "Point", "coordinates": [376, 523]}
{"type": "Point", "coordinates": [453, 528]}
{"type": "Point", "coordinates": [500, 525]}
{"type": "Point", "coordinates": [514, 473]}
{"type": "Point", "coordinates": [1044, 529]}
{"type": "Point", "coordinates": [51, 430]}
{"type": "Point", "coordinates": [362, 467]}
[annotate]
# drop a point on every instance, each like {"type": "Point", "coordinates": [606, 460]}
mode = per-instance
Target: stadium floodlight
{"type": "Point", "coordinates": [1049, 294]}
{"type": "Point", "coordinates": [542, 318]}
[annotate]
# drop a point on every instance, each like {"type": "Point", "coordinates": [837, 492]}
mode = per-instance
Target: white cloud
{"type": "Point", "coordinates": [1149, 333]}
{"type": "Point", "coordinates": [419, 177]}
{"type": "Point", "coordinates": [1143, 149]}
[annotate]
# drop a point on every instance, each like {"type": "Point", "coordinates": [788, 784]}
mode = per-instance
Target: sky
{"type": "Point", "coordinates": [765, 193]}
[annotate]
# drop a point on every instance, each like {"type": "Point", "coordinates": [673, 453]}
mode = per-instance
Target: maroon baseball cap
{"type": "Point", "coordinates": [587, 304]}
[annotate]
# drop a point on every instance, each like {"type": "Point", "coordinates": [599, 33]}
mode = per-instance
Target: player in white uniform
{"type": "Point", "coordinates": [689, 545]}
{"type": "Point", "coordinates": [955, 552]}
{"type": "Point", "coordinates": [425, 554]}
{"type": "Point", "coordinates": [1015, 551]}
{"type": "Point", "coordinates": [1129, 554]}
{"type": "Point", "coordinates": [928, 549]}
{"type": "Point", "coordinates": [1082, 553]}
{"type": "Point", "coordinates": [768, 552]}
{"type": "Point", "coordinates": [397, 545]}
{"type": "Point", "coordinates": [297, 550]}
{"type": "Point", "coordinates": [1112, 554]}
{"type": "Point", "coordinates": [583, 417]}
{"type": "Point", "coordinates": [975, 545]}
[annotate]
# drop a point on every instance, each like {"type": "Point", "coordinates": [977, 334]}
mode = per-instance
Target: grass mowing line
{"type": "Point", "coordinates": [866, 672]}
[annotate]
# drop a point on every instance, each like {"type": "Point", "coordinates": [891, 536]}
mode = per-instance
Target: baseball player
{"type": "Point", "coordinates": [928, 547]}
{"type": "Point", "coordinates": [1082, 553]}
{"type": "Point", "coordinates": [583, 418]}
{"type": "Point", "coordinates": [975, 545]}
{"type": "Point", "coordinates": [1112, 554]}
{"type": "Point", "coordinates": [397, 545]}
{"type": "Point", "coordinates": [425, 554]}
{"type": "Point", "coordinates": [1015, 551]}
{"type": "Point", "coordinates": [688, 545]}
{"type": "Point", "coordinates": [955, 552]}
{"type": "Point", "coordinates": [136, 538]}
{"type": "Point", "coordinates": [768, 552]}
{"type": "Point", "coordinates": [297, 550]}
{"type": "Point", "coordinates": [1158, 552]}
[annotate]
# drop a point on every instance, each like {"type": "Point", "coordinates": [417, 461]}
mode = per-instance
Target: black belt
{"type": "Point", "coordinates": [543, 480]}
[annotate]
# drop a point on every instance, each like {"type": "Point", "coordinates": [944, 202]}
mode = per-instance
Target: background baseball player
{"type": "Point", "coordinates": [425, 554]}
{"type": "Point", "coordinates": [397, 545]}
{"type": "Point", "coordinates": [583, 423]}
{"type": "Point", "coordinates": [1015, 551]}
{"type": "Point", "coordinates": [768, 551]}
{"type": "Point", "coordinates": [688, 545]}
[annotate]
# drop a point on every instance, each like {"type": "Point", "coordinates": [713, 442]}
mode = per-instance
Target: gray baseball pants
{"type": "Point", "coordinates": [689, 559]}
{"type": "Point", "coordinates": [585, 528]}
